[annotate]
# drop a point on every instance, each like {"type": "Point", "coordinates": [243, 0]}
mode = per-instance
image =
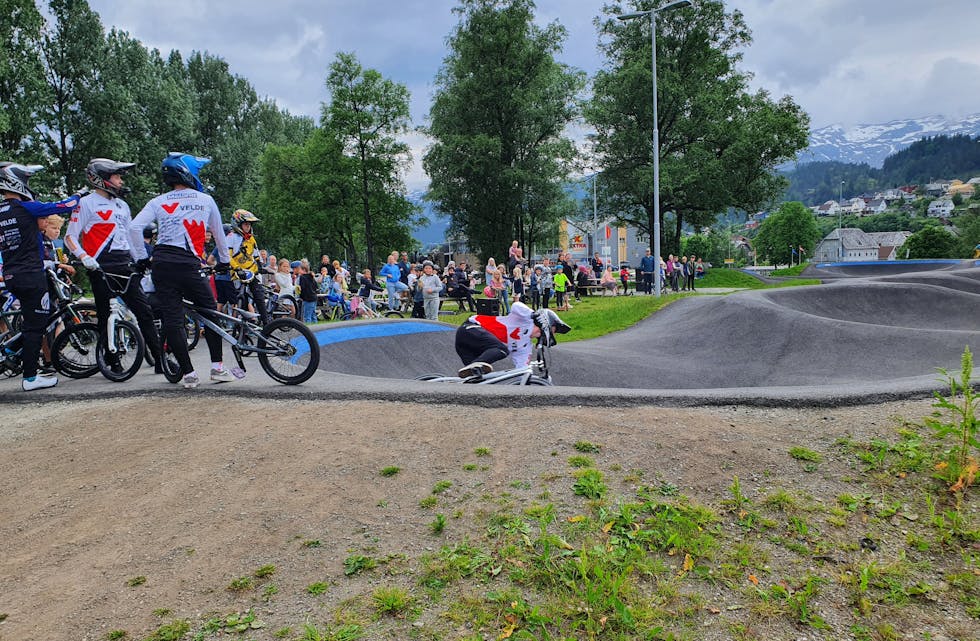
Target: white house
{"type": "Point", "coordinates": [940, 208]}
{"type": "Point", "coordinates": [829, 208]}
{"type": "Point", "coordinates": [857, 245]}
{"type": "Point", "coordinates": [854, 206]}
{"type": "Point", "coordinates": [875, 207]}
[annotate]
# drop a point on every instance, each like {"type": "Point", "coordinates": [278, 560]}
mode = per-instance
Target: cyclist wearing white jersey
{"type": "Point", "coordinates": [182, 215]}
{"type": "Point", "coordinates": [98, 233]}
{"type": "Point", "coordinates": [483, 340]}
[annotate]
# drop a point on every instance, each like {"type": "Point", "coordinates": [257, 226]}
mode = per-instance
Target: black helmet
{"type": "Point", "coordinates": [183, 169]}
{"type": "Point", "coordinates": [226, 228]}
{"type": "Point", "coordinates": [14, 177]}
{"type": "Point", "coordinates": [149, 230]}
{"type": "Point", "coordinates": [100, 170]}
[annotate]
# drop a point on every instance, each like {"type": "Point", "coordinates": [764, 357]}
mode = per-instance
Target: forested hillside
{"type": "Point", "coordinates": [941, 157]}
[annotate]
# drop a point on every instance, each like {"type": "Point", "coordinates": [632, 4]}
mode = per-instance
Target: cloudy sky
{"type": "Point", "coordinates": [845, 62]}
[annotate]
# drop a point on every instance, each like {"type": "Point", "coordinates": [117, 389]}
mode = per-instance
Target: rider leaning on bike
{"type": "Point", "coordinates": [483, 340]}
{"type": "Point", "coordinates": [23, 269]}
{"type": "Point", "coordinates": [98, 234]}
{"type": "Point", "coordinates": [182, 215]}
{"type": "Point", "coordinates": [244, 252]}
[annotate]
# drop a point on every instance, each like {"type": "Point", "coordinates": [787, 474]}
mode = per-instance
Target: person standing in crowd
{"type": "Point", "coordinates": [682, 277]}
{"type": "Point", "coordinates": [404, 266]}
{"type": "Point", "coordinates": [691, 272]}
{"type": "Point", "coordinates": [561, 285]}
{"type": "Point", "coordinates": [535, 286]}
{"type": "Point", "coordinates": [596, 264]}
{"type": "Point", "coordinates": [546, 282]}
{"type": "Point", "coordinates": [431, 286]}
{"type": "Point", "coordinates": [669, 269]}
{"type": "Point", "coordinates": [647, 265]}
{"type": "Point", "coordinates": [307, 291]}
{"type": "Point", "coordinates": [393, 281]}
{"type": "Point", "coordinates": [624, 278]}
{"type": "Point", "coordinates": [518, 274]}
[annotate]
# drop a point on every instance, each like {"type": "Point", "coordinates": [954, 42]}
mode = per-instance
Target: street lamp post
{"type": "Point", "coordinates": [840, 223]}
{"type": "Point", "coordinates": [677, 4]}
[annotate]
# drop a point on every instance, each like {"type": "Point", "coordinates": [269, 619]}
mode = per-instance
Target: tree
{"type": "Point", "coordinates": [72, 48]}
{"type": "Point", "coordinates": [784, 232]}
{"type": "Point", "coordinates": [719, 143]}
{"type": "Point", "coordinates": [932, 242]}
{"type": "Point", "coordinates": [501, 106]}
{"type": "Point", "coordinates": [366, 112]}
{"type": "Point", "coordinates": [21, 74]}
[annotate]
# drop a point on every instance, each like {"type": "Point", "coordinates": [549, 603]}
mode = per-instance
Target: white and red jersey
{"type": "Point", "coordinates": [182, 216]}
{"type": "Point", "coordinates": [100, 224]}
{"type": "Point", "coordinates": [513, 331]}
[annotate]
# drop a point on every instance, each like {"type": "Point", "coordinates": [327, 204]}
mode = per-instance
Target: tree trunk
{"type": "Point", "coordinates": [365, 198]}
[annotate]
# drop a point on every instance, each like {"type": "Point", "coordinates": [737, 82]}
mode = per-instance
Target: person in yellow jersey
{"type": "Point", "coordinates": [245, 257]}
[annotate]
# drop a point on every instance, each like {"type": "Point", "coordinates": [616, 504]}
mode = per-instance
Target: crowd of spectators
{"type": "Point", "coordinates": [421, 286]}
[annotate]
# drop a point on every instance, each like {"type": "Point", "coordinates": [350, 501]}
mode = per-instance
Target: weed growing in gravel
{"type": "Point", "coordinates": [241, 584]}
{"type": "Point", "coordinates": [357, 563]}
{"type": "Point", "coordinates": [391, 600]}
{"type": "Point", "coordinates": [441, 487]}
{"type": "Point", "coordinates": [170, 631]}
{"type": "Point", "coordinates": [482, 451]}
{"type": "Point", "coordinates": [135, 581]}
{"type": "Point", "coordinates": [586, 447]}
{"type": "Point", "coordinates": [115, 635]}
{"type": "Point", "coordinates": [265, 571]}
{"type": "Point", "coordinates": [391, 470]}
{"type": "Point", "coordinates": [805, 454]}
{"type": "Point", "coordinates": [589, 483]}
{"type": "Point", "coordinates": [428, 502]}
{"type": "Point", "coordinates": [581, 461]}
{"type": "Point", "coordinates": [960, 466]}
{"type": "Point", "coordinates": [317, 588]}
{"type": "Point", "coordinates": [438, 524]}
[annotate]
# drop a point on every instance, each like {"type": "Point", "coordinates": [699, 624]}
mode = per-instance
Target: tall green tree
{"type": "Point", "coordinates": [719, 143]}
{"type": "Point", "coordinates": [73, 47]}
{"type": "Point", "coordinates": [306, 202]}
{"type": "Point", "coordinates": [366, 113]}
{"type": "Point", "coordinates": [933, 242]}
{"type": "Point", "coordinates": [784, 232]}
{"type": "Point", "coordinates": [501, 107]}
{"type": "Point", "coordinates": [21, 74]}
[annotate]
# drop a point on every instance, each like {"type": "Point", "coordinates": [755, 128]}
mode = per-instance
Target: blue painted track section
{"type": "Point", "coordinates": [375, 330]}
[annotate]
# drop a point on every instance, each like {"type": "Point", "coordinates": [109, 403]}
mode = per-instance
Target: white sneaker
{"type": "Point", "coordinates": [222, 376]}
{"type": "Point", "coordinates": [479, 368]}
{"type": "Point", "coordinates": [40, 381]}
{"type": "Point", "coordinates": [190, 381]}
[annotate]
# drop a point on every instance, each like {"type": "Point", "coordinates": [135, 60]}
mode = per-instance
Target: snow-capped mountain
{"type": "Point", "coordinates": [871, 144]}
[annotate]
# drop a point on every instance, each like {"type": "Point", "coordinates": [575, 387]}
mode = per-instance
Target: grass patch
{"type": "Point", "coordinates": [391, 600]}
{"type": "Point", "coordinates": [581, 461]}
{"type": "Point", "coordinates": [441, 487]}
{"type": "Point", "coordinates": [587, 447]}
{"type": "Point", "coordinates": [357, 563]}
{"type": "Point", "coordinates": [391, 470]}
{"type": "Point", "coordinates": [135, 581]}
{"type": "Point", "coordinates": [265, 571]}
{"type": "Point", "coordinates": [317, 588]}
{"type": "Point", "coordinates": [795, 270]}
{"type": "Point", "coordinates": [241, 584]}
{"type": "Point", "coordinates": [805, 454]}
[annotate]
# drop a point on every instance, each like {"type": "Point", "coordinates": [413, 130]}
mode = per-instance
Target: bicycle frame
{"type": "Point", "coordinates": [537, 368]}
{"type": "Point", "coordinates": [202, 316]}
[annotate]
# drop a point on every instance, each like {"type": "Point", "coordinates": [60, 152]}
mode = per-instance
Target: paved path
{"type": "Point", "coordinates": [855, 340]}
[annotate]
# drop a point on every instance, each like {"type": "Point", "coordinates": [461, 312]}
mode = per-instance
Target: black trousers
{"type": "Point", "coordinates": [648, 282]}
{"type": "Point", "coordinates": [473, 343]}
{"type": "Point", "coordinates": [32, 292]}
{"type": "Point", "coordinates": [174, 282]}
{"type": "Point", "coordinates": [134, 298]}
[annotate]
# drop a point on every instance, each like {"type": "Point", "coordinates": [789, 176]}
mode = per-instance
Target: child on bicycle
{"type": "Point", "coordinates": [483, 340]}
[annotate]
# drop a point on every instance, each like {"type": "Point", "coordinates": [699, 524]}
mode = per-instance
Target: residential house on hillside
{"type": "Point", "coordinates": [829, 208]}
{"type": "Point", "coordinates": [854, 206]}
{"type": "Point", "coordinates": [940, 208]}
{"type": "Point", "coordinates": [857, 245]}
{"type": "Point", "coordinates": [889, 242]}
{"type": "Point", "coordinates": [959, 187]}
{"type": "Point", "coordinates": [875, 207]}
{"type": "Point", "coordinates": [936, 188]}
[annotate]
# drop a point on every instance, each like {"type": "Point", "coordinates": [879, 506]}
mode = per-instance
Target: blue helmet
{"type": "Point", "coordinates": [183, 169]}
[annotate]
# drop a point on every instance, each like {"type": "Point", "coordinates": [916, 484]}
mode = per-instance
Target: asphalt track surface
{"type": "Point", "coordinates": [871, 333]}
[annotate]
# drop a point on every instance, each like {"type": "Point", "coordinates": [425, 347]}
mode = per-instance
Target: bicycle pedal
{"type": "Point", "coordinates": [237, 372]}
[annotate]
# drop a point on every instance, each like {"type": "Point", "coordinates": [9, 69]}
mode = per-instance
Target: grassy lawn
{"type": "Point", "coordinates": [741, 280]}
{"type": "Point", "coordinates": [796, 270]}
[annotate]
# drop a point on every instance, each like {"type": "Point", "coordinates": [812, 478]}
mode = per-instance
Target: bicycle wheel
{"type": "Point", "coordinates": [73, 352]}
{"type": "Point", "coordinates": [169, 364]}
{"type": "Point", "coordinates": [298, 353]}
{"type": "Point", "coordinates": [193, 328]}
{"type": "Point", "coordinates": [534, 380]}
{"type": "Point", "coordinates": [130, 348]}
{"type": "Point", "coordinates": [429, 377]}
{"type": "Point", "coordinates": [394, 313]}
